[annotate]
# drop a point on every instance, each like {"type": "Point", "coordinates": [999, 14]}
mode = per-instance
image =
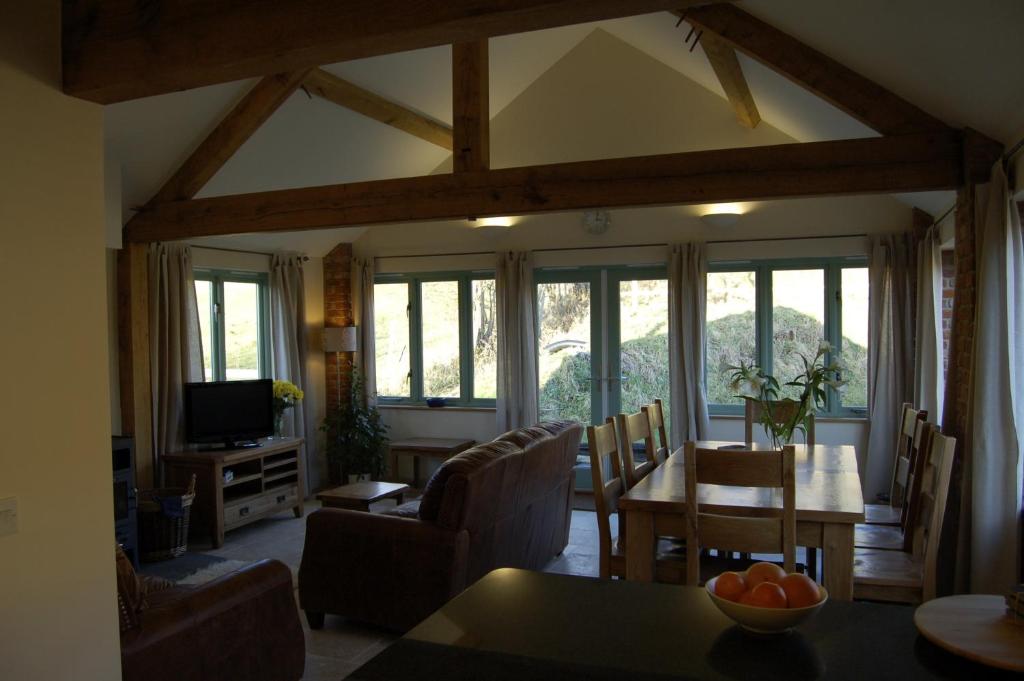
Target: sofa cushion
{"type": "Point", "coordinates": [410, 509]}
{"type": "Point", "coordinates": [524, 437]}
{"type": "Point", "coordinates": [464, 464]}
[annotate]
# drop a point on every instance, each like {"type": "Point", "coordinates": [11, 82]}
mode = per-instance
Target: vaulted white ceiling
{"type": "Point", "coordinates": [957, 60]}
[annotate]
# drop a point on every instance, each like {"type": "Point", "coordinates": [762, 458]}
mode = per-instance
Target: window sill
{"type": "Point", "coordinates": [422, 407]}
{"type": "Point", "coordinates": [817, 419]}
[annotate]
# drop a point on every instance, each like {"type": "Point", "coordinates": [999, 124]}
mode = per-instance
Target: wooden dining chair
{"type": "Point", "coordinates": [670, 565]}
{"type": "Point", "coordinates": [656, 416]}
{"type": "Point", "coordinates": [775, 533]}
{"type": "Point", "coordinates": [910, 576]}
{"type": "Point", "coordinates": [896, 537]}
{"type": "Point", "coordinates": [633, 428]}
{"type": "Point", "coordinates": [893, 513]}
{"type": "Point", "coordinates": [781, 410]}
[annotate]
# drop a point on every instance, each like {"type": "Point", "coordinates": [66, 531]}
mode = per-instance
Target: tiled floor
{"type": "Point", "coordinates": [341, 647]}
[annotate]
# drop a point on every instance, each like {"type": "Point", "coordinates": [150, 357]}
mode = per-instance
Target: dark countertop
{"type": "Point", "coordinates": [517, 624]}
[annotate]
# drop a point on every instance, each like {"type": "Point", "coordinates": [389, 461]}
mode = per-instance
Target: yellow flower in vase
{"type": "Point", "coordinates": [286, 396]}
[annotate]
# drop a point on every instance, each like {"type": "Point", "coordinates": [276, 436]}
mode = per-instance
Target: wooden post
{"type": "Point", "coordinates": [133, 357]}
{"type": "Point", "coordinates": [471, 106]}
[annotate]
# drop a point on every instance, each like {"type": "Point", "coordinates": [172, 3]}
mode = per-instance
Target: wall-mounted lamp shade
{"type": "Point", "coordinates": [720, 220]}
{"type": "Point", "coordinates": [340, 339]}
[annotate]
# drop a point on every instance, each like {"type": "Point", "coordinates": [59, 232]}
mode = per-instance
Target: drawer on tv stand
{"type": "Point", "coordinates": [241, 511]}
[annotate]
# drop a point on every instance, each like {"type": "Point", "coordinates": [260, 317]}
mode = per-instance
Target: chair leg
{"type": "Point", "coordinates": [315, 619]}
{"type": "Point", "coordinates": [812, 562]}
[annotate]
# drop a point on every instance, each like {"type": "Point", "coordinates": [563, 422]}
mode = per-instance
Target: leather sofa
{"type": "Point", "coordinates": [244, 625]}
{"type": "Point", "coordinates": [506, 503]}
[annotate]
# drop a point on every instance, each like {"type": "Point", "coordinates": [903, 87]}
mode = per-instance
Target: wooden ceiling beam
{"type": "Point", "coordinates": [906, 163]}
{"type": "Point", "coordinates": [343, 93]}
{"type": "Point", "coordinates": [470, 106]}
{"type": "Point", "coordinates": [230, 134]}
{"type": "Point", "coordinates": [115, 50]}
{"type": "Point", "coordinates": [726, 66]}
{"type": "Point", "coordinates": [863, 99]}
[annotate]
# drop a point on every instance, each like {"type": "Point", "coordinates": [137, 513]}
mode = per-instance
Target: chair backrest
{"type": "Point", "coordinates": [781, 411]}
{"type": "Point", "coordinates": [633, 428]}
{"type": "Point", "coordinates": [602, 441]}
{"type": "Point", "coordinates": [775, 533]}
{"type": "Point", "coordinates": [914, 464]}
{"type": "Point", "coordinates": [902, 466]}
{"type": "Point", "coordinates": [656, 415]}
{"type": "Point", "coordinates": [938, 469]}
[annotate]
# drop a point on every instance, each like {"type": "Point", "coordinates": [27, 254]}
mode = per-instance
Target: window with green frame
{"type": "Point", "coordinates": [436, 336]}
{"type": "Point", "coordinates": [234, 324]}
{"type": "Point", "coordinates": [772, 312]}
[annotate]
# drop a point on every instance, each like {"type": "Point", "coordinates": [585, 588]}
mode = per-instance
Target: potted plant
{"type": "Point", "coordinates": [356, 438]}
{"type": "Point", "coordinates": [750, 382]}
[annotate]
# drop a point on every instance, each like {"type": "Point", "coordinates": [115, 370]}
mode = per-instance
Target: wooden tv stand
{"type": "Point", "coordinates": [267, 479]}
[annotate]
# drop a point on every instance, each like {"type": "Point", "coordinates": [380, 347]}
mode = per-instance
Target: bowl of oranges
{"type": "Point", "coordinates": [765, 599]}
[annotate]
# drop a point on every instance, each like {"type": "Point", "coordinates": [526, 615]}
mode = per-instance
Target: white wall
{"type": "Point", "coordinates": [58, 599]}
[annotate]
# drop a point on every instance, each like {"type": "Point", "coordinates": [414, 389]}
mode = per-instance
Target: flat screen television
{"type": "Point", "coordinates": [234, 413]}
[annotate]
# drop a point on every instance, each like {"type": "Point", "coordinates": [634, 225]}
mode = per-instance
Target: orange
{"type": "Point", "coordinates": [730, 586]}
{"type": "Point", "coordinates": [764, 572]}
{"type": "Point", "coordinates": [745, 597]}
{"type": "Point", "coordinates": [801, 590]}
{"type": "Point", "coordinates": [767, 595]}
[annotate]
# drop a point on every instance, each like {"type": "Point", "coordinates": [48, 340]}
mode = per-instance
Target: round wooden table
{"type": "Point", "coordinates": [974, 626]}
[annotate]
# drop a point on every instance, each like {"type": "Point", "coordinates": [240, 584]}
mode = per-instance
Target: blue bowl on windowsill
{"type": "Point", "coordinates": [435, 402]}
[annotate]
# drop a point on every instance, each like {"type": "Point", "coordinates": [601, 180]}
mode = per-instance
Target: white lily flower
{"type": "Point", "coordinates": [824, 347]}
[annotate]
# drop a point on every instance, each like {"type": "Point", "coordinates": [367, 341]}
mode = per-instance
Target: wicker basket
{"type": "Point", "coordinates": [163, 536]}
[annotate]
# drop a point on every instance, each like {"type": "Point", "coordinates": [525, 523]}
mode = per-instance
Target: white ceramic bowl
{"type": "Point", "coordinates": [764, 620]}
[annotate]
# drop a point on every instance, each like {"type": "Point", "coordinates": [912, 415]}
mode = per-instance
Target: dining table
{"type": "Point", "coordinates": [519, 625]}
{"type": "Point", "coordinates": [829, 503]}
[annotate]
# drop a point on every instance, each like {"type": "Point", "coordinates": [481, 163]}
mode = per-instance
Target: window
{"type": "Point", "coordinates": [436, 337]}
{"type": "Point", "coordinates": [233, 324]}
{"type": "Point", "coordinates": [770, 313]}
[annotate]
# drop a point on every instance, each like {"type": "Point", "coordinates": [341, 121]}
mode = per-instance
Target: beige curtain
{"type": "Point", "coordinates": [517, 403]}
{"type": "Point", "coordinates": [992, 482]}
{"type": "Point", "coordinates": [362, 310]}
{"type": "Point", "coordinates": [289, 346]}
{"type": "Point", "coordinates": [891, 324]}
{"type": "Point", "coordinates": [176, 351]}
{"type": "Point", "coordinates": [687, 294]}
{"type": "Point", "coordinates": [929, 381]}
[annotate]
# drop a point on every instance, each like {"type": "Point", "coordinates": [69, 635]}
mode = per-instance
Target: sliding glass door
{"type": "Point", "coordinates": [603, 341]}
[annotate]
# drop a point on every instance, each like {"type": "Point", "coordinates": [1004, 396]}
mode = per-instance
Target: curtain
{"type": "Point", "coordinates": [175, 345]}
{"type": "Point", "coordinates": [891, 324]}
{"type": "Point", "coordinates": [996, 433]}
{"type": "Point", "coordinates": [929, 381]}
{"type": "Point", "coordinates": [687, 292]}
{"type": "Point", "coordinates": [288, 341]}
{"type": "Point", "coordinates": [362, 310]}
{"type": "Point", "coordinates": [517, 388]}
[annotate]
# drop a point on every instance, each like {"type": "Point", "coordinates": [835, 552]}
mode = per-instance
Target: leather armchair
{"type": "Point", "coordinates": [244, 625]}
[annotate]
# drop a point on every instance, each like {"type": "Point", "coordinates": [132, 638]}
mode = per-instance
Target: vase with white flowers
{"type": "Point", "coordinates": [286, 396]}
{"type": "Point", "coordinates": [750, 382]}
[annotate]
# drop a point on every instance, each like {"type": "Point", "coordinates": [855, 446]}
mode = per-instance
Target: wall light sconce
{"type": "Point", "coordinates": [721, 215]}
{"type": "Point", "coordinates": [341, 339]}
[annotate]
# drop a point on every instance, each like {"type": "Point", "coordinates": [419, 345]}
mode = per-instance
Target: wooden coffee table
{"type": "Point", "coordinates": [434, 447]}
{"type": "Point", "coordinates": [359, 495]}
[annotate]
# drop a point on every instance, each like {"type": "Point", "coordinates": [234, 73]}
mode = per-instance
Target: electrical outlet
{"type": "Point", "coordinates": [8, 516]}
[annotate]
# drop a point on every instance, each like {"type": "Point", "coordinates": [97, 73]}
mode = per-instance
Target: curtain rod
{"type": "Point", "coordinates": [239, 250]}
{"type": "Point", "coordinates": [602, 248]}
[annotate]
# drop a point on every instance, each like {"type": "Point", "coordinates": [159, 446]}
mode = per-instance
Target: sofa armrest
{"type": "Point", "coordinates": [383, 569]}
{"type": "Point", "coordinates": [242, 625]}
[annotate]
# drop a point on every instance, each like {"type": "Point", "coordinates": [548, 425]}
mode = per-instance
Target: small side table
{"type": "Point", "coordinates": [359, 495]}
{"type": "Point", "coordinates": [442, 448]}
